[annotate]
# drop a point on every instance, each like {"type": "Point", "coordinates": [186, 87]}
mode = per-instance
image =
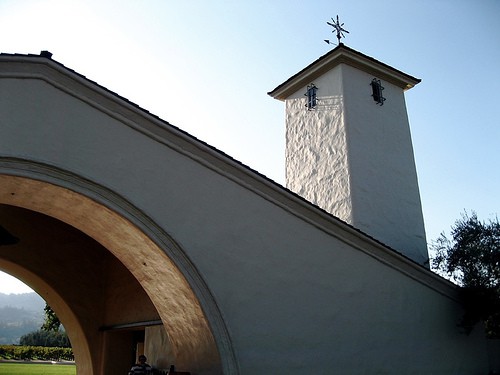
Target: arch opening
{"type": "Point", "coordinates": [101, 251]}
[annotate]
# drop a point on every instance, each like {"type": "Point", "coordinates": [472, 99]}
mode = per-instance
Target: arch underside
{"type": "Point", "coordinates": [100, 263]}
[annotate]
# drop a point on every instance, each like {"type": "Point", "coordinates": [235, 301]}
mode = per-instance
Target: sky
{"type": "Point", "coordinates": [206, 67]}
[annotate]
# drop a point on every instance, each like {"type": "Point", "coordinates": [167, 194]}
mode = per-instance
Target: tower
{"type": "Point", "coordinates": [349, 149]}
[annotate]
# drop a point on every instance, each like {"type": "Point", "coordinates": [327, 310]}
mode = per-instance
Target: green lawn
{"type": "Point", "coordinates": [36, 369]}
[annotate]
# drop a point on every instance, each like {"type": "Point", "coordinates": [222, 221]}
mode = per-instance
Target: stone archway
{"type": "Point", "coordinates": [183, 303]}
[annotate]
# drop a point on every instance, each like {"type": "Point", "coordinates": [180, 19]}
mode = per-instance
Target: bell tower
{"type": "Point", "coordinates": [349, 149]}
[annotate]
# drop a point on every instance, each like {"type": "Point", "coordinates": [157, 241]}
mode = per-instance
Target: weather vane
{"type": "Point", "coordinates": [337, 28]}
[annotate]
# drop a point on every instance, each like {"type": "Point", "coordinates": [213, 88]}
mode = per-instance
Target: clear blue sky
{"type": "Point", "coordinates": [206, 66]}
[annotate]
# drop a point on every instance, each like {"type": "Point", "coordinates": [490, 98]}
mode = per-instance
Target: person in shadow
{"type": "Point", "coordinates": [141, 368]}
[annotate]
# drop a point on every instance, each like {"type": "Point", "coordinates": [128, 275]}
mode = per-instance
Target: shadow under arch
{"type": "Point", "coordinates": [183, 301]}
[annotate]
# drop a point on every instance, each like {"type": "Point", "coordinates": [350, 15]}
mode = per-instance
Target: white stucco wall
{"type": "Point", "coordinates": [298, 290]}
{"type": "Point", "coordinates": [354, 158]}
{"type": "Point", "coordinates": [386, 197]}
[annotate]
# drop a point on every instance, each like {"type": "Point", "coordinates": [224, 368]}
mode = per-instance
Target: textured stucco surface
{"type": "Point", "coordinates": [158, 347]}
{"type": "Point", "coordinates": [316, 156]}
{"type": "Point", "coordinates": [294, 289]}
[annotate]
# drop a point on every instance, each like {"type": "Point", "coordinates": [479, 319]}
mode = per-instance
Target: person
{"type": "Point", "coordinates": [141, 368]}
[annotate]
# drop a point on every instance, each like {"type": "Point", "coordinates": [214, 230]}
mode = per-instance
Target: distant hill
{"type": "Point", "coordinates": [28, 301]}
{"type": "Point", "coordinates": [19, 315]}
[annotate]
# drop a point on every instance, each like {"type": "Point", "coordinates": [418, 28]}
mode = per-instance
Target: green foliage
{"type": "Point", "coordinates": [35, 352]}
{"type": "Point", "coordinates": [472, 259]}
{"type": "Point", "coordinates": [46, 338]}
{"type": "Point", "coordinates": [36, 369]}
{"type": "Point", "coordinates": [52, 322]}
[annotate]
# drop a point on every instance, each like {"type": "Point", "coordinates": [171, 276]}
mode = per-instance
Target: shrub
{"type": "Point", "coordinates": [36, 352]}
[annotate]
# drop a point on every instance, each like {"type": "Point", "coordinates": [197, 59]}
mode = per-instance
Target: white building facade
{"type": "Point", "coordinates": [139, 235]}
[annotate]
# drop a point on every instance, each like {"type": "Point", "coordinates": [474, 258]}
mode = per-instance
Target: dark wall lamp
{"type": "Point", "coordinates": [312, 101]}
{"type": "Point", "coordinates": [377, 89]}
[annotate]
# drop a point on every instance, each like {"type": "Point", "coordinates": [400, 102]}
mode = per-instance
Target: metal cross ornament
{"type": "Point", "coordinates": [338, 28]}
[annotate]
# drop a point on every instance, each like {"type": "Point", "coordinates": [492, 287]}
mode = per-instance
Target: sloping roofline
{"type": "Point", "coordinates": [342, 55]}
{"type": "Point", "coordinates": [45, 68]}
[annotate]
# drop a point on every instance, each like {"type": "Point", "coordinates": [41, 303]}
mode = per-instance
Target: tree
{"type": "Point", "coordinates": [49, 334]}
{"type": "Point", "coordinates": [472, 259]}
{"type": "Point", "coordinates": [51, 322]}
{"type": "Point", "coordinates": [46, 338]}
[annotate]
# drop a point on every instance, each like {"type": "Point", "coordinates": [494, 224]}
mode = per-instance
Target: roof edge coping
{"type": "Point", "coordinates": [343, 55]}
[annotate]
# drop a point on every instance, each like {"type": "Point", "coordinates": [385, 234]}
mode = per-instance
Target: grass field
{"type": "Point", "coordinates": [36, 369]}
